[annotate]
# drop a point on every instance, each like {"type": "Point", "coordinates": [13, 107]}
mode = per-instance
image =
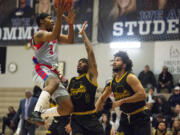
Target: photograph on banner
{"type": "Point", "coordinates": [143, 20]}
{"type": "Point", "coordinates": [18, 19]}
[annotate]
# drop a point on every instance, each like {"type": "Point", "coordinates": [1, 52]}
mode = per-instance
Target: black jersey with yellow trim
{"type": "Point", "coordinates": [121, 89]}
{"type": "Point", "coordinates": [82, 92]}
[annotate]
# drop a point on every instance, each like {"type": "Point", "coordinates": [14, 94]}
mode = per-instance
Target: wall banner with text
{"type": "Point", "coordinates": [18, 19]}
{"type": "Point", "coordinates": [142, 20]}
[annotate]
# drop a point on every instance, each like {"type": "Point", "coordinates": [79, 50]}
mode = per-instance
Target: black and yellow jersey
{"type": "Point", "coordinates": [82, 92]}
{"type": "Point", "coordinates": [121, 89]}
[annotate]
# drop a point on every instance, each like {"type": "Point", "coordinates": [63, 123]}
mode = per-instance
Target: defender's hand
{"type": "Point", "coordinates": [68, 128]}
{"type": "Point", "coordinates": [62, 78]}
{"type": "Point", "coordinates": [117, 103]}
{"type": "Point", "coordinates": [83, 28]}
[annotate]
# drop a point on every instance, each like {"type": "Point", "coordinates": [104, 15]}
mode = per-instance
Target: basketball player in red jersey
{"type": "Point", "coordinates": [44, 43]}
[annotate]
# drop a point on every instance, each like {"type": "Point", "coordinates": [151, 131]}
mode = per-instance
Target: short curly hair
{"type": "Point", "coordinates": [126, 60]}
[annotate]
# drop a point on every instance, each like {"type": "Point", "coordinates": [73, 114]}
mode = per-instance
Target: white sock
{"type": "Point", "coordinates": [42, 101]}
{"type": "Point", "coordinates": [51, 112]}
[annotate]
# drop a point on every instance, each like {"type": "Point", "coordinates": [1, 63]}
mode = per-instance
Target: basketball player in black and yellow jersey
{"type": "Point", "coordinates": [129, 96]}
{"type": "Point", "coordinates": [82, 90]}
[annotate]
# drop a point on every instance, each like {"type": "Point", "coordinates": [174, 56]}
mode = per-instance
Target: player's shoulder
{"type": "Point", "coordinates": [131, 77]}
{"type": "Point", "coordinates": [39, 34]}
{"type": "Point", "coordinates": [37, 37]}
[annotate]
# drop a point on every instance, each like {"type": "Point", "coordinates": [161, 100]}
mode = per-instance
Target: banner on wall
{"type": "Point", "coordinates": [18, 19]}
{"type": "Point", "coordinates": [2, 60]}
{"type": "Point", "coordinates": [168, 56]}
{"type": "Point", "coordinates": [142, 20]}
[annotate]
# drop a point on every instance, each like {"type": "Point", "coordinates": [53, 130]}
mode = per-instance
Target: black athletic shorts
{"type": "Point", "coordinates": [58, 126]}
{"type": "Point", "coordinates": [139, 124]}
{"type": "Point", "coordinates": [86, 125]}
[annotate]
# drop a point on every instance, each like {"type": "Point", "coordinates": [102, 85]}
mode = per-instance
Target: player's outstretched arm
{"type": "Point", "coordinates": [102, 99]}
{"type": "Point", "coordinates": [45, 36]}
{"type": "Point", "coordinates": [92, 71]}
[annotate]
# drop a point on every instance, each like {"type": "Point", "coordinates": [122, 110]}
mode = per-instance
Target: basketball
{"type": "Point", "coordinates": [68, 4]}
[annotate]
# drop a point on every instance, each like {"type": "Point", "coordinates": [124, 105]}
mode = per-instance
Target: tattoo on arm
{"type": "Point", "coordinates": [39, 35]}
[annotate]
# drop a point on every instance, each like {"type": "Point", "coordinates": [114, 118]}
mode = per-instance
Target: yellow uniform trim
{"type": "Point", "coordinates": [137, 111]}
{"type": "Point", "coordinates": [95, 84]}
{"type": "Point", "coordinates": [85, 74]}
{"type": "Point", "coordinates": [84, 113]}
{"type": "Point", "coordinates": [120, 78]}
{"type": "Point", "coordinates": [52, 105]}
{"type": "Point", "coordinates": [79, 77]}
{"type": "Point", "coordinates": [48, 132]}
{"type": "Point", "coordinates": [120, 133]}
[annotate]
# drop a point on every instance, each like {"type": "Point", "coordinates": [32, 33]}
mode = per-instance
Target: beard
{"type": "Point", "coordinates": [161, 130]}
{"type": "Point", "coordinates": [83, 70]}
{"type": "Point", "coordinates": [117, 69]}
{"type": "Point", "coordinates": [79, 71]}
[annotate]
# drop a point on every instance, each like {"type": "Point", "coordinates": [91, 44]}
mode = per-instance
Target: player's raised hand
{"type": "Point", "coordinates": [83, 28]}
{"type": "Point", "coordinates": [70, 18]}
{"type": "Point", "coordinates": [60, 7]}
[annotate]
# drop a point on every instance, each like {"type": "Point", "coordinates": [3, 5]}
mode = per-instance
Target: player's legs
{"type": "Point", "coordinates": [63, 121]}
{"type": "Point", "coordinates": [49, 82]}
{"type": "Point", "coordinates": [76, 128]}
{"type": "Point", "coordinates": [65, 106]}
{"type": "Point", "coordinates": [124, 126]}
{"type": "Point", "coordinates": [52, 87]}
{"type": "Point", "coordinates": [94, 128]}
{"type": "Point", "coordinates": [141, 129]}
{"type": "Point", "coordinates": [52, 84]}
{"type": "Point", "coordinates": [137, 125]}
{"type": "Point", "coordinates": [141, 123]}
{"type": "Point", "coordinates": [86, 125]}
{"type": "Point", "coordinates": [52, 129]}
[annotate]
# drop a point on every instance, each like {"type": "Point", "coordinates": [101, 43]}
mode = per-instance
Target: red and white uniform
{"type": "Point", "coordinates": [45, 58]}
